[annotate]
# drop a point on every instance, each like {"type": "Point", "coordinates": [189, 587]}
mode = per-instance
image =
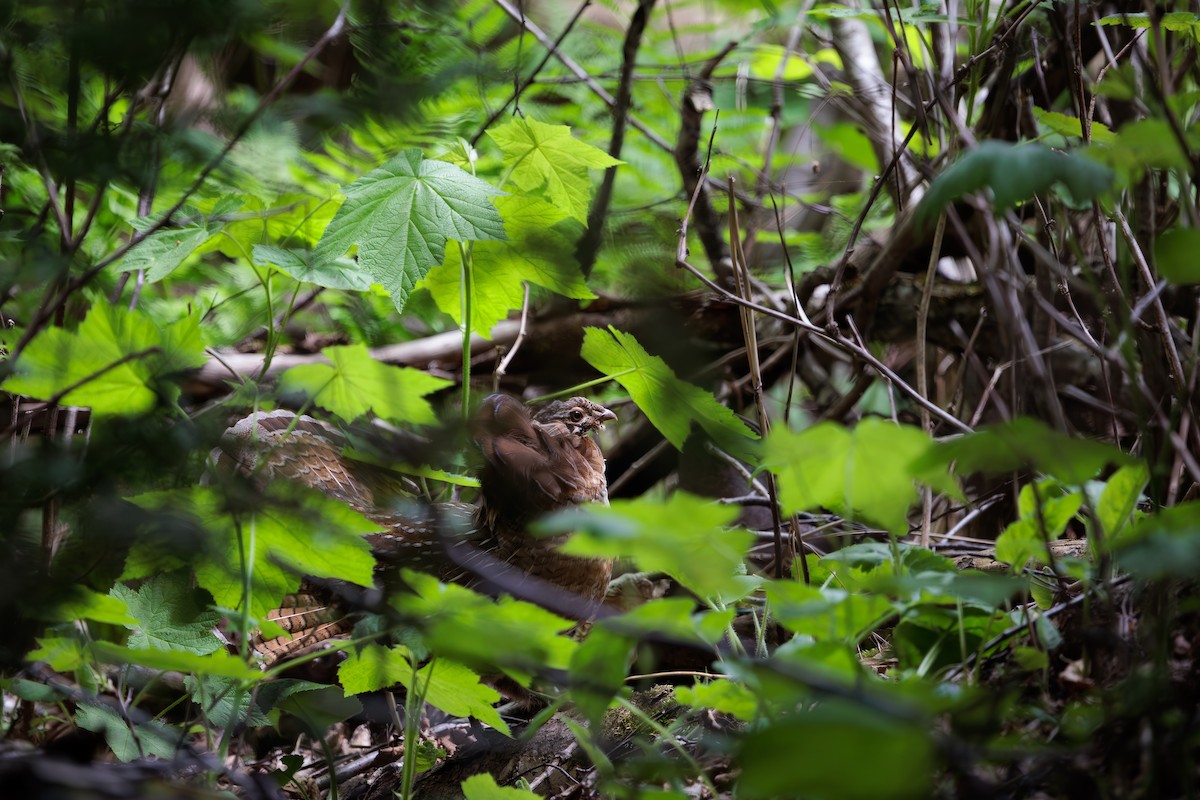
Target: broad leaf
{"type": "Point", "coordinates": [547, 160]}
{"type": "Point", "coordinates": [117, 362]}
{"type": "Point", "coordinates": [827, 614]}
{"type": "Point", "coordinates": [1024, 443]}
{"type": "Point", "coordinates": [295, 532]}
{"type": "Point", "coordinates": [356, 384]}
{"type": "Point", "coordinates": [1014, 173]}
{"type": "Point", "coordinates": [164, 251]}
{"type": "Point", "coordinates": [845, 471]}
{"type": "Point", "coordinates": [447, 685]}
{"type": "Point", "coordinates": [484, 787]}
{"type": "Point", "coordinates": [685, 536]}
{"type": "Point", "coordinates": [341, 273]}
{"type": "Point", "coordinates": [671, 404]}
{"type": "Point", "coordinates": [129, 741]}
{"type": "Point", "coordinates": [831, 734]}
{"type": "Point", "coordinates": [1026, 538]}
{"type": "Point", "coordinates": [169, 614]}
{"type": "Point", "coordinates": [540, 249]}
{"type": "Point", "coordinates": [401, 215]}
{"type": "Point", "coordinates": [516, 636]}
{"type": "Point", "coordinates": [1175, 255]}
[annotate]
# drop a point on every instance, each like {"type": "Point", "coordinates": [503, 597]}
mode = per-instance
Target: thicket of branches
{"type": "Point", "coordinates": [896, 305]}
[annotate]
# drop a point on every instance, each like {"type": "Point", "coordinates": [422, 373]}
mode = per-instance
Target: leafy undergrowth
{"type": "Point", "coordinates": [983, 608]}
{"type": "Point", "coordinates": [1042, 667]}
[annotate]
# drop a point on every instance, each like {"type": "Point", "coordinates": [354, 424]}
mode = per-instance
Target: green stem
{"type": "Point", "coordinates": [413, 700]}
{"type": "Point", "coordinates": [465, 299]}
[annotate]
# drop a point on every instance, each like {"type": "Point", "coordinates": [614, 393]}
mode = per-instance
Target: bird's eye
{"type": "Point", "coordinates": [576, 414]}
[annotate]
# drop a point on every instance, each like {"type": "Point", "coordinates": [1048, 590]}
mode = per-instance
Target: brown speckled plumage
{"type": "Point", "coordinates": [533, 463]}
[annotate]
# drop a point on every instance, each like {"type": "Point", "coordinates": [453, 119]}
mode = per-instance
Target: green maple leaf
{"type": "Point", "coordinates": [671, 404]}
{"type": "Point", "coordinates": [540, 249]}
{"type": "Point", "coordinates": [117, 362]}
{"type": "Point", "coordinates": [357, 383]}
{"type": "Point", "coordinates": [402, 214]}
{"type": "Point", "coordinates": [168, 615]}
{"type": "Point", "coordinates": [546, 160]}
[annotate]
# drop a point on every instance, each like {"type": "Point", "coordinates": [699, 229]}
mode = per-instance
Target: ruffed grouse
{"type": "Point", "coordinates": [532, 464]}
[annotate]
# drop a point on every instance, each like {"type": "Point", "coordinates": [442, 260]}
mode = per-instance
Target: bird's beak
{"type": "Point", "coordinates": [606, 416]}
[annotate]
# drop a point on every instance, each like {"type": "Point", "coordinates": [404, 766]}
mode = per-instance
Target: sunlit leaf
{"type": "Point", "coordinates": [671, 404]}
{"type": "Point", "coordinates": [685, 536]}
{"type": "Point", "coordinates": [484, 787]}
{"type": "Point", "coordinates": [356, 384]}
{"type": "Point", "coordinates": [842, 470]}
{"type": "Point", "coordinates": [546, 160]}
{"type": "Point", "coordinates": [302, 532]}
{"type": "Point", "coordinates": [515, 636]}
{"type": "Point", "coordinates": [117, 362]}
{"type": "Point", "coordinates": [340, 273]}
{"type": "Point", "coordinates": [540, 249]}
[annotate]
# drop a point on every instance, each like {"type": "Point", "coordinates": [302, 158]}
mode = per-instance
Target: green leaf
{"type": "Point", "coordinates": [850, 143]}
{"type": "Point", "coordinates": [340, 273]}
{"type": "Point", "coordinates": [117, 362]}
{"type": "Point", "coordinates": [831, 734]}
{"type": "Point", "coordinates": [672, 405]}
{"type": "Point", "coordinates": [1023, 540]}
{"type": "Point", "coordinates": [225, 701]}
{"type": "Point", "coordinates": [446, 684]}
{"type": "Point", "coordinates": [129, 741]}
{"type": "Point", "coordinates": [169, 615]}
{"type": "Point", "coordinates": [546, 160]}
{"type": "Point", "coordinates": [356, 384]}
{"type": "Point", "coordinates": [831, 467]}
{"type": "Point", "coordinates": [540, 249]}
{"type": "Point", "coordinates": [217, 663]}
{"type": "Point", "coordinates": [374, 667]}
{"type": "Point", "coordinates": [929, 637]}
{"type": "Point", "coordinates": [1175, 255]}
{"type": "Point", "coordinates": [673, 617]}
{"type": "Point", "coordinates": [484, 787]}
{"type": "Point", "coordinates": [826, 614]}
{"type": "Point", "coordinates": [516, 636]}
{"type": "Point", "coordinates": [1013, 173]}
{"type": "Point", "coordinates": [598, 670]}
{"type": "Point", "coordinates": [83, 603]}
{"type": "Point", "coordinates": [1117, 502]}
{"type": "Point", "coordinates": [402, 214]}
{"type": "Point", "coordinates": [1070, 126]}
{"type": "Point", "coordinates": [318, 706]}
{"type": "Point", "coordinates": [724, 696]}
{"type": "Point", "coordinates": [685, 536]}
{"type": "Point", "coordinates": [62, 653]}
{"type": "Point", "coordinates": [1165, 544]}
{"type": "Point", "coordinates": [295, 532]}
{"type": "Point", "coordinates": [164, 251]}
{"type": "Point", "coordinates": [1024, 443]}
{"type": "Point", "coordinates": [1142, 145]}
{"type": "Point", "coordinates": [456, 690]}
